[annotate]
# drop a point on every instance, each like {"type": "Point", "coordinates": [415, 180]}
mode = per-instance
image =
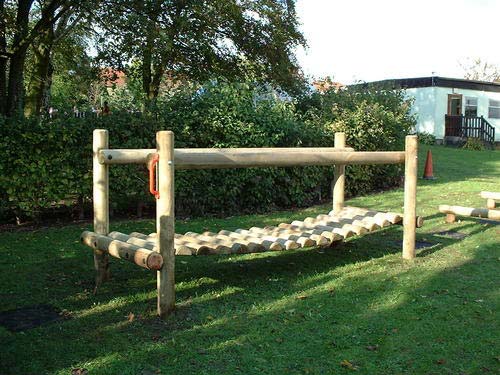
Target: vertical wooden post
{"type": "Point", "coordinates": [410, 196]}
{"type": "Point", "coordinates": [101, 203]}
{"type": "Point", "coordinates": [339, 177]}
{"type": "Point", "coordinates": [165, 222]}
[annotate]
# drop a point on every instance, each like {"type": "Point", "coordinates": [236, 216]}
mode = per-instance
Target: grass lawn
{"type": "Point", "coordinates": [356, 308]}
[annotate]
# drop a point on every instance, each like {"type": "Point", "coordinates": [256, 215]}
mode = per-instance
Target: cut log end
{"type": "Point", "coordinates": [154, 261]}
{"type": "Point", "coordinates": [450, 218]}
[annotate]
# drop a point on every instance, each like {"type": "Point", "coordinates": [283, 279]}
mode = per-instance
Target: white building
{"type": "Point", "coordinates": [452, 108]}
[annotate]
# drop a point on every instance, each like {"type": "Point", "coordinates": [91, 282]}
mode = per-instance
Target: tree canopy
{"type": "Point", "coordinates": [155, 40]}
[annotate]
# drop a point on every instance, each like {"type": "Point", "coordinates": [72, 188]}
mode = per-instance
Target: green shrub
{"type": "Point", "coordinates": [426, 138]}
{"type": "Point", "coordinates": [474, 144]}
{"type": "Point", "coordinates": [48, 163]}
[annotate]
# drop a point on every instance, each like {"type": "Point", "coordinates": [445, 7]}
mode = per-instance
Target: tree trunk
{"type": "Point", "coordinates": [3, 58]}
{"type": "Point", "coordinates": [15, 90]}
{"type": "Point", "coordinates": [39, 86]}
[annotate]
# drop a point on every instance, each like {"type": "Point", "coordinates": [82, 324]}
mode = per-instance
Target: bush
{"type": "Point", "coordinates": [475, 144]}
{"type": "Point", "coordinates": [48, 163]}
{"type": "Point", "coordinates": [426, 138]}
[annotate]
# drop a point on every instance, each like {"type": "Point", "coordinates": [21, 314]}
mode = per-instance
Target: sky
{"type": "Point", "coordinates": [371, 40]}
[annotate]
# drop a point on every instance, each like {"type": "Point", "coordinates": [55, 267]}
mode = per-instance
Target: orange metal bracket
{"type": "Point", "coordinates": [152, 178]}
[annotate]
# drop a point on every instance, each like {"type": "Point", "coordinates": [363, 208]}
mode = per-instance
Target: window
{"type": "Point", "coordinates": [494, 109]}
{"type": "Point", "coordinates": [471, 107]}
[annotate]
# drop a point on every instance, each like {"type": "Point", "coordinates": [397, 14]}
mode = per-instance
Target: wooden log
{"type": "Point", "coordinates": [252, 247]}
{"type": "Point", "coordinates": [490, 195]}
{"type": "Point", "coordinates": [332, 236]}
{"type": "Point", "coordinates": [450, 218]}
{"type": "Point", "coordinates": [146, 242]}
{"type": "Point", "coordinates": [303, 241]}
{"type": "Point", "coordinates": [268, 245]}
{"type": "Point", "coordinates": [379, 218]}
{"type": "Point", "coordinates": [342, 230]}
{"type": "Point", "coordinates": [339, 177]}
{"type": "Point", "coordinates": [410, 196]}
{"type": "Point", "coordinates": [318, 239]}
{"type": "Point", "coordinates": [142, 257]}
{"type": "Point", "coordinates": [470, 211]}
{"type": "Point", "coordinates": [141, 156]}
{"type": "Point", "coordinates": [393, 217]}
{"type": "Point", "coordinates": [142, 236]}
{"type": "Point", "coordinates": [490, 203]}
{"type": "Point", "coordinates": [165, 223]}
{"type": "Point", "coordinates": [287, 244]}
{"type": "Point", "coordinates": [229, 158]}
{"type": "Point", "coordinates": [101, 203]}
{"type": "Point", "coordinates": [337, 223]}
{"type": "Point", "coordinates": [235, 247]}
{"type": "Point", "coordinates": [491, 198]}
{"type": "Point", "coordinates": [202, 247]}
{"type": "Point", "coordinates": [365, 222]}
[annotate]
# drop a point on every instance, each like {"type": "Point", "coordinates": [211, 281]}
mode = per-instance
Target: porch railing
{"type": "Point", "coordinates": [468, 126]}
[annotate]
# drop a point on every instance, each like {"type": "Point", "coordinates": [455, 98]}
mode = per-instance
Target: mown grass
{"type": "Point", "coordinates": [357, 308]}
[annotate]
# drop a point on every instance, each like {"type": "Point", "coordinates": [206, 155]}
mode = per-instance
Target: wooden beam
{"type": "Point", "coordinates": [165, 223]}
{"type": "Point", "coordinates": [145, 258]}
{"type": "Point", "coordinates": [339, 177]}
{"type": "Point", "coordinates": [101, 203]}
{"type": "Point", "coordinates": [410, 196]}
{"type": "Point", "coordinates": [470, 211]}
{"type": "Point", "coordinates": [250, 158]}
{"type": "Point", "coordinates": [141, 156]}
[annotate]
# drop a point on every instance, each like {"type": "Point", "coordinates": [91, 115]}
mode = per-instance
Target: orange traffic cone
{"type": "Point", "coordinates": [428, 172]}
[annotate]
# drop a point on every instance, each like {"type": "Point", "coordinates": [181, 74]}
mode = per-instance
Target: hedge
{"type": "Point", "coordinates": [48, 163]}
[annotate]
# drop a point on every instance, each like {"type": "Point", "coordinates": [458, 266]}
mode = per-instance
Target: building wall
{"type": "Point", "coordinates": [431, 105]}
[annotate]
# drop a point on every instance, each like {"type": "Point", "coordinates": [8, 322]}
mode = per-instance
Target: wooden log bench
{"type": "Point", "coordinates": [452, 212]}
{"type": "Point", "coordinates": [491, 198]}
{"type": "Point", "coordinates": [157, 251]}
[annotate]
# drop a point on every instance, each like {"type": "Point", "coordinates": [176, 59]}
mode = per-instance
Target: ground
{"type": "Point", "coordinates": [357, 308]}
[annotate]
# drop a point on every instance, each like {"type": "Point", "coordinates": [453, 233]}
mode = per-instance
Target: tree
{"type": "Point", "coordinates": [22, 22]}
{"type": "Point", "coordinates": [41, 67]}
{"type": "Point", "coordinates": [479, 70]}
{"type": "Point", "coordinates": [195, 40]}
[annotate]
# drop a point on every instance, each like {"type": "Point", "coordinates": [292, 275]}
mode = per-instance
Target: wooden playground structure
{"type": "Point", "coordinates": [486, 213]}
{"type": "Point", "coordinates": [157, 251]}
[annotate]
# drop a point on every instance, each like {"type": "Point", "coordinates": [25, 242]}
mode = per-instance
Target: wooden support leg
{"type": "Point", "coordinates": [165, 228]}
{"type": "Point", "coordinates": [490, 203]}
{"type": "Point", "coordinates": [101, 204]}
{"type": "Point", "coordinates": [450, 218]}
{"type": "Point", "coordinates": [410, 197]}
{"type": "Point", "coordinates": [339, 177]}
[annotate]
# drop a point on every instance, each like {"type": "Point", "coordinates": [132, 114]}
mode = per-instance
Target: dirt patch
{"type": "Point", "coordinates": [30, 317]}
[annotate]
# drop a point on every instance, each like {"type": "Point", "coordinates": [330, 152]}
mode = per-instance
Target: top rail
{"type": "Point", "coordinates": [211, 158]}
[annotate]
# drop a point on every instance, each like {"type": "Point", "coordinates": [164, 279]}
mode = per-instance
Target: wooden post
{"type": "Point", "coordinates": [165, 227]}
{"type": "Point", "coordinates": [410, 196]}
{"type": "Point", "coordinates": [101, 203]}
{"type": "Point", "coordinates": [339, 177]}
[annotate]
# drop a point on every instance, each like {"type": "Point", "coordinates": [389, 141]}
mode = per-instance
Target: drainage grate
{"type": "Point", "coordinates": [29, 317]}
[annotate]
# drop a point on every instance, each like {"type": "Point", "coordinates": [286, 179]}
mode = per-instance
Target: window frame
{"type": "Point", "coordinates": [467, 105]}
{"type": "Point", "coordinates": [495, 106]}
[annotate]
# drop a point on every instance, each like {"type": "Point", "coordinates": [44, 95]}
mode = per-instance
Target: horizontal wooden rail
{"type": "Point", "coordinates": [256, 157]}
{"type": "Point", "coordinates": [141, 156]}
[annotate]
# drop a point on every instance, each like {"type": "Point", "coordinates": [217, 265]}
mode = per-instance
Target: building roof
{"type": "Point", "coordinates": [458, 83]}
